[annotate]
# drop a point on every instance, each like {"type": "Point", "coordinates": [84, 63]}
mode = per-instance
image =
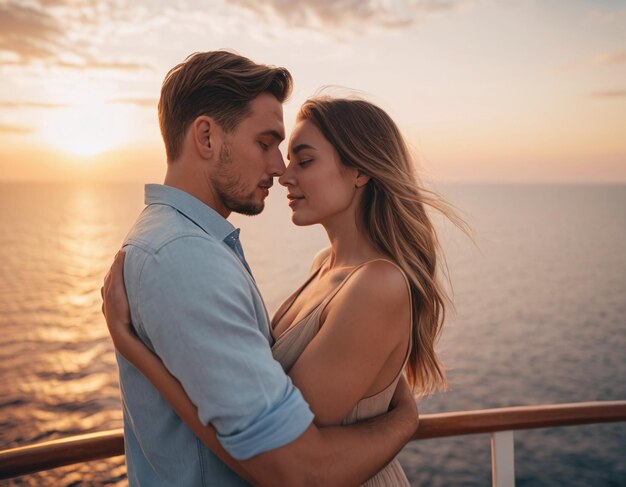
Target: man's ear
{"type": "Point", "coordinates": [205, 135]}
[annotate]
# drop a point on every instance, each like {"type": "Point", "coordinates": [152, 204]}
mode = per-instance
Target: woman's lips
{"type": "Point", "coordinates": [294, 199]}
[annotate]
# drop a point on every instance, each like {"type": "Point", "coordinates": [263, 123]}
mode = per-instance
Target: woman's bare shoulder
{"type": "Point", "coordinates": [383, 281]}
{"type": "Point", "coordinates": [377, 293]}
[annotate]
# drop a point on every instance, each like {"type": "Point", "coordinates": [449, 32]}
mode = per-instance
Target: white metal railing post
{"type": "Point", "coordinates": [502, 459]}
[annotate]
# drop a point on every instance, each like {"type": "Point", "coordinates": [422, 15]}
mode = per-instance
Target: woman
{"type": "Point", "coordinates": [372, 306]}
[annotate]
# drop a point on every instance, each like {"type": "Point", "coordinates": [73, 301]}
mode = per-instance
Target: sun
{"type": "Point", "coordinates": [88, 128]}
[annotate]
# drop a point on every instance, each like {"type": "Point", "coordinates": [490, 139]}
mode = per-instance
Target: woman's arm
{"type": "Point", "coordinates": [117, 313]}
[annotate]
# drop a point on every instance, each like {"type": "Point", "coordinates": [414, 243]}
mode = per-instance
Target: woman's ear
{"type": "Point", "coordinates": [361, 179]}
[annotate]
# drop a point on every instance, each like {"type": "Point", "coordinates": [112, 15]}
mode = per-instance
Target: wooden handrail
{"type": "Point", "coordinates": [58, 453]}
{"type": "Point", "coordinates": [518, 418]}
{"type": "Point", "coordinates": [83, 448]}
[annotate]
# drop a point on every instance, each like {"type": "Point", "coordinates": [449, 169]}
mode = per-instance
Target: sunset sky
{"type": "Point", "coordinates": [484, 90]}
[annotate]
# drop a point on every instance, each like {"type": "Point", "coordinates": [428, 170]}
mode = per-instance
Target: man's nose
{"type": "Point", "coordinates": [277, 166]}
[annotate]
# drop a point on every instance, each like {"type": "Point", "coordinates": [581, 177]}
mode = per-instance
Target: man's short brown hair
{"type": "Point", "coordinates": [219, 84]}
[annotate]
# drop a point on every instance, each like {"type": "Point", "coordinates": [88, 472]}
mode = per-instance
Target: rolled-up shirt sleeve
{"type": "Point", "coordinates": [196, 309]}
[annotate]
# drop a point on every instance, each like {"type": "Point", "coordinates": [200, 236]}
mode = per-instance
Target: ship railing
{"type": "Point", "coordinates": [500, 423]}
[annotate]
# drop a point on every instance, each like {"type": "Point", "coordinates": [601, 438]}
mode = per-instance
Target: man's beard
{"type": "Point", "coordinates": [230, 189]}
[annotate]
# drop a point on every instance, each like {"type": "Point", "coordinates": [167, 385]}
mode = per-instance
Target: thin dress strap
{"type": "Point", "coordinates": [292, 299]}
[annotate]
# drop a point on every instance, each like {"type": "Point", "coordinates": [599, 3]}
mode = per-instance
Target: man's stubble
{"type": "Point", "coordinates": [230, 188]}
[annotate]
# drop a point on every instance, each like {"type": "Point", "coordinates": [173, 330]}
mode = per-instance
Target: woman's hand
{"type": "Point", "coordinates": [115, 305]}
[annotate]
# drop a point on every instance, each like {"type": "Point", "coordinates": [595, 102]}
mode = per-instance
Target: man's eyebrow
{"type": "Point", "coordinates": [274, 133]}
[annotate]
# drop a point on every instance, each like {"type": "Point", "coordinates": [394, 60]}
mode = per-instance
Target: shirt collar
{"type": "Point", "coordinates": [190, 206]}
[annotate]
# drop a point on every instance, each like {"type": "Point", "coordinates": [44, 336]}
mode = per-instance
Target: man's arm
{"type": "Point", "coordinates": [206, 333]}
{"type": "Point", "coordinates": [340, 455]}
{"type": "Point", "coordinates": [195, 308]}
{"type": "Point", "coordinates": [325, 456]}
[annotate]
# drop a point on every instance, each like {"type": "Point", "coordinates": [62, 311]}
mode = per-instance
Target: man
{"type": "Point", "coordinates": [194, 302]}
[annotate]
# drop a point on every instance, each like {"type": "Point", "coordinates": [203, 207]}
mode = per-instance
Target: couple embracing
{"type": "Point", "coordinates": [214, 391]}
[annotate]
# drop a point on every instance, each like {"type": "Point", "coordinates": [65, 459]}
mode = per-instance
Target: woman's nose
{"type": "Point", "coordinates": [286, 178]}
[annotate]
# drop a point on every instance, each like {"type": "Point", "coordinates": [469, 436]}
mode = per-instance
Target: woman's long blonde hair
{"type": "Point", "coordinates": [393, 215]}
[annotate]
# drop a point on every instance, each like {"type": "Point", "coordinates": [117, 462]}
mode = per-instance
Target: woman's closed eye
{"type": "Point", "coordinates": [305, 162]}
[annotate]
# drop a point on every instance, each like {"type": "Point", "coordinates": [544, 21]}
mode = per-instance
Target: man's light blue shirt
{"type": "Point", "coordinates": [195, 304]}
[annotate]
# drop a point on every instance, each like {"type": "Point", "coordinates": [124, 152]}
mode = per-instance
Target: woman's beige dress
{"type": "Point", "coordinates": [292, 343]}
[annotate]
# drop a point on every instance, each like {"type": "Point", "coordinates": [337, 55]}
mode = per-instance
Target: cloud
{"type": "Point", "coordinates": [140, 102]}
{"type": "Point", "coordinates": [610, 58]}
{"type": "Point", "coordinates": [340, 14]}
{"type": "Point", "coordinates": [74, 34]}
{"type": "Point", "coordinates": [608, 94]}
{"type": "Point", "coordinates": [63, 33]}
{"type": "Point", "coordinates": [15, 129]}
{"type": "Point", "coordinates": [93, 64]}
{"type": "Point", "coordinates": [31, 104]}
{"type": "Point", "coordinates": [605, 59]}
{"type": "Point", "coordinates": [29, 33]}
{"type": "Point", "coordinates": [607, 16]}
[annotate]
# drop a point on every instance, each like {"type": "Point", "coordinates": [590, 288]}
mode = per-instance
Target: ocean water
{"type": "Point", "coordinates": [540, 318]}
